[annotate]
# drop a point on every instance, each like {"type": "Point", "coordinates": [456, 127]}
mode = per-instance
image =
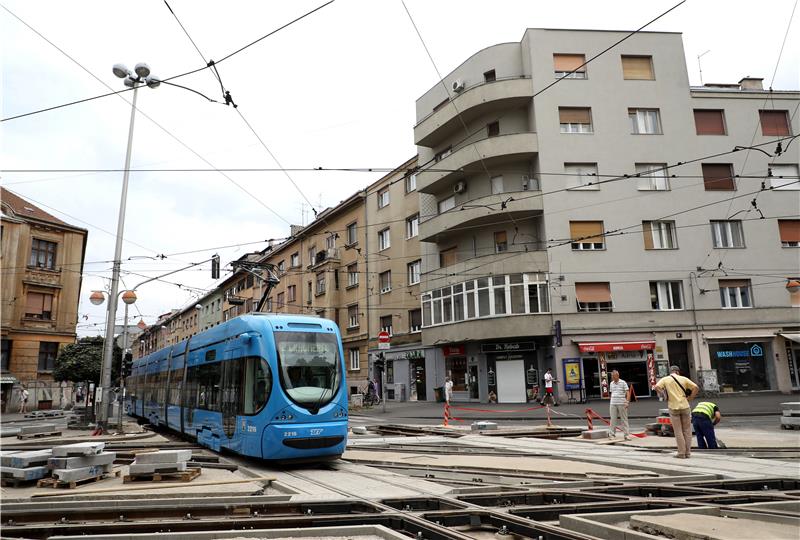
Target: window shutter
{"type": "Point", "coordinates": [33, 304]}
{"type": "Point", "coordinates": [637, 68]}
{"type": "Point", "coordinates": [500, 237]}
{"type": "Point", "coordinates": [734, 283]}
{"type": "Point", "coordinates": [569, 62]}
{"type": "Point", "coordinates": [647, 231]}
{"type": "Point", "coordinates": [709, 122]}
{"type": "Point", "coordinates": [592, 292]}
{"type": "Point", "coordinates": [789, 230]}
{"type": "Point", "coordinates": [586, 231]}
{"type": "Point", "coordinates": [718, 176]}
{"type": "Point", "coordinates": [774, 122]}
{"type": "Point", "coordinates": [47, 302]}
{"type": "Point", "coordinates": [447, 257]}
{"type": "Point", "coordinates": [574, 115]}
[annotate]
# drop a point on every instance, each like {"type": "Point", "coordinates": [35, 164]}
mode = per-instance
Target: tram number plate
{"type": "Point", "coordinates": [316, 431]}
{"type": "Point", "coordinates": [290, 434]}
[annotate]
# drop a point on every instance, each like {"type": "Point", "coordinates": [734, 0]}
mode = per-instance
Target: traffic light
{"type": "Point", "coordinates": [215, 267]}
{"type": "Point", "coordinates": [127, 364]}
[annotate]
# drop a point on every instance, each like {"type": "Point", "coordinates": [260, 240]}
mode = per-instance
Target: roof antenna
{"type": "Point", "coordinates": [700, 66]}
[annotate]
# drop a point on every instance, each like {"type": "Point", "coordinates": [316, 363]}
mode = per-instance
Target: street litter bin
{"type": "Point", "coordinates": [439, 393]}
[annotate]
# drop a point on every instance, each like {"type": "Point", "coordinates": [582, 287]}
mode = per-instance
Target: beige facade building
{"type": "Point", "coordinates": [42, 264]}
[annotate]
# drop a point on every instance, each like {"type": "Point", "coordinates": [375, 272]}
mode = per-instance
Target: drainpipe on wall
{"type": "Point", "coordinates": [367, 275]}
{"type": "Point", "coordinates": [696, 340]}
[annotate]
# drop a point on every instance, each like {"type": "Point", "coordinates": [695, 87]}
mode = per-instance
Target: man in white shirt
{"type": "Point", "coordinates": [448, 389]}
{"type": "Point", "coordinates": [619, 405]}
{"type": "Point", "coordinates": [549, 397]}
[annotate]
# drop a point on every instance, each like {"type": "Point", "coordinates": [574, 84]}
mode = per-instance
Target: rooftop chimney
{"type": "Point", "coordinates": [751, 83]}
{"type": "Point", "coordinates": [294, 230]}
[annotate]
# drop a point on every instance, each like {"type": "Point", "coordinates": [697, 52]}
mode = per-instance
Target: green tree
{"type": "Point", "coordinates": [81, 361]}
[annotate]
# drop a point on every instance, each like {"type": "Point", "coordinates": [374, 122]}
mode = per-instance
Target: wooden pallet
{"type": "Point", "coordinates": [39, 435]}
{"type": "Point", "coordinates": [17, 482]}
{"type": "Point", "coordinates": [54, 483]}
{"type": "Point", "coordinates": [183, 476]}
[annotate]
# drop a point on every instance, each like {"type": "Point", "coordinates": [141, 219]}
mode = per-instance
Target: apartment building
{"type": "Point", "coordinates": [581, 228]}
{"type": "Point", "coordinates": [42, 264]}
{"type": "Point", "coordinates": [395, 273]}
{"type": "Point", "coordinates": [321, 268]}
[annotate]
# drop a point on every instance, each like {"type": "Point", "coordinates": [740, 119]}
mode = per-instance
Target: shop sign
{"type": "Point", "coordinates": [508, 347]}
{"type": "Point", "coordinates": [454, 350]}
{"type": "Point", "coordinates": [603, 375]}
{"type": "Point", "coordinates": [755, 350]}
{"type": "Point", "coordinates": [651, 370]}
{"type": "Point", "coordinates": [490, 378]}
{"type": "Point", "coordinates": [613, 346]}
{"type": "Point", "coordinates": [414, 355]}
{"type": "Point", "coordinates": [572, 373]}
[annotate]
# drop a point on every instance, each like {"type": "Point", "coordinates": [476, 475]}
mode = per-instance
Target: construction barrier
{"type": "Point", "coordinates": [591, 413]}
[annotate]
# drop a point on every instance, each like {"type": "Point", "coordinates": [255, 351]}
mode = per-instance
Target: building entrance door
{"type": "Point", "coordinates": [472, 382]}
{"type": "Point", "coordinates": [794, 367]}
{"type": "Point", "coordinates": [418, 378]}
{"type": "Point", "coordinates": [678, 352]}
{"type": "Point", "coordinates": [511, 381]}
{"type": "Point", "coordinates": [591, 377]}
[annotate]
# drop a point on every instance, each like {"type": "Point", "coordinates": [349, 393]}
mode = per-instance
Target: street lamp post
{"type": "Point", "coordinates": [133, 79]}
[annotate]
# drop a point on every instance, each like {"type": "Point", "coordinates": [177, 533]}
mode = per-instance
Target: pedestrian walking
{"type": "Point", "coordinates": [549, 398]}
{"type": "Point", "coordinates": [618, 406]}
{"type": "Point", "coordinates": [705, 416]}
{"type": "Point", "coordinates": [23, 400]}
{"type": "Point", "coordinates": [679, 391]}
{"type": "Point", "coordinates": [448, 389]}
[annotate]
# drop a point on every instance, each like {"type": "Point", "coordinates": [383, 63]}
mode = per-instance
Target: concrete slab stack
{"type": "Point", "coordinates": [24, 466]}
{"type": "Point", "coordinates": [38, 430]}
{"type": "Point", "coordinates": [80, 461]}
{"type": "Point", "coordinates": [790, 418]}
{"type": "Point", "coordinates": [160, 462]}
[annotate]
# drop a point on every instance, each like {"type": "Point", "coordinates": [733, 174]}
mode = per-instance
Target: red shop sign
{"type": "Point", "coordinates": [613, 346]}
{"type": "Point", "coordinates": [454, 350]}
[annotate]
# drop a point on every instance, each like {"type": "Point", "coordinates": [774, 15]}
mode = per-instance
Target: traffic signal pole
{"type": "Point", "coordinates": [121, 393]}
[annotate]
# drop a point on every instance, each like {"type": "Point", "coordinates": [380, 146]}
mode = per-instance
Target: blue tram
{"type": "Point", "coordinates": [262, 385]}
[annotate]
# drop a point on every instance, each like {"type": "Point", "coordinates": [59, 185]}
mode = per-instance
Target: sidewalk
{"type": "Point", "coordinates": [756, 404]}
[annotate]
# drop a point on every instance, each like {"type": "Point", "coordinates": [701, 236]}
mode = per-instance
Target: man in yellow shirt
{"type": "Point", "coordinates": [676, 386]}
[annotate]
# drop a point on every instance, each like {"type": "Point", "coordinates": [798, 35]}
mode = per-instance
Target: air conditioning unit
{"type": "Point", "coordinates": [458, 85]}
{"type": "Point", "coordinates": [460, 187]}
{"type": "Point", "coordinates": [526, 183]}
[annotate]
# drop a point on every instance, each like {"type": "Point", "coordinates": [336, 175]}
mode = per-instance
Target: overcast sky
{"type": "Point", "coordinates": [336, 89]}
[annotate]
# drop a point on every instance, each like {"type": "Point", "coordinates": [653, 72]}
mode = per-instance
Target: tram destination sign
{"type": "Point", "coordinates": [514, 346]}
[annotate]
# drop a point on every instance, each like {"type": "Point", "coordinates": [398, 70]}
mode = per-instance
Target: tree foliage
{"type": "Point", "coordinates": [81, 361]}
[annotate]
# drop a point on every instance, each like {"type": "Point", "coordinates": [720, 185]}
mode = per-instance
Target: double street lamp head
{"type": "Point", "coordinates": [140, 74]}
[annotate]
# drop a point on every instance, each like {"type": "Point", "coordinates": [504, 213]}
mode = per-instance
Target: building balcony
{"type": "Point", "coordinates": [519, 259]}
{"type": "Point", "coordinates": [476, 212]}
{"type": "Point", "coordinates": [474, 156]}
{"type": "Point", "coordinates": [471, 103]}
{"type": "Point", "coordinates": [493, 328]}
{"type": "Point", "coordinates": [325, 256]}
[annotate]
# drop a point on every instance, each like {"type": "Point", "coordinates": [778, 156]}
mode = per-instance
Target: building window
{"type": "Point", "coordinates": [281, 300]}
{"type": "Point", "coordinates": [447, 257]}
{"type": "Point", "coordinates": [493, 129]}
{"type": "Point", "coordinates": [718, 177]}
{"type": "Point", "coordinates": [312, 255]}
{"type": "Point", "coordinates": [352, 316]}
{"type": "Point", "coordinates": [593, 297]}
{"type": "Point", "coordinates": [666, 295]}
{"type": "Point", "coordinates": [352, 234]}
{"type": "Point", "coordinates": [496, 185]}
{"type": "Point", "coordinates": [637, 68]}
{"type": "Point", "coordinates": [269, 306]}
{"type": "Point", "coordinates": [500, 242]}
{"type": "Point", "coordinates": [330, 241]}
{"type": "Point", "coordinates": [43, 254]}
{"type": "Point", "coordinates": [385, 281]}
{"type": "Point", "coordinates": [295, 260]}
{"type": "Point", "coordinates": [659, 235]}
{"type": "Point", "coordinates": [575, 119]}
{"type": "Point", "coordinates": [489, 76]}
{"type": "Point", "coordinates": [789, 230]}
{"type": "Point", "coordinates": [412, 226]}
{"type": "Point", "coordinates": [39, 306]}
{"type": "Point", "coordinates": [727, 234]}
{"type": "Point", "coordinates": [784, 177]}
{"type": "Point", "coordinates": [384, 239]}
{"type": "Point", "coordinates": [355, 361]}
{"type": "Point", "coordinates": [291, 291]}
{"type": "Point", "coordinates": [586, 235]}
{"type": "Point", "coordinates": [645, 121]}
{"type": "Point", "coordinates": [774, 123]}
{"type": "Point", "coordinates": [652, 176]}
{"type": "Point", "coordinates": [352, 275]}
{"type": "Point", "coordinates": [321, 283]}
{"type": "Point", "coordinates": [383, 198]}
{"type": "Point", "coordinates": [282, 267]}
{"type": "Point", "coordinates": [735, 293]}
{"type": "Point", "coordinates": [386, 324]}
{"type": "Point", "coordinates": [447, 204]}
{"type": "Point", "coordinates": [440, 155]}
{"type": "Point", "coordinates": [411, 183]}
{"type": "Point", "coordinates": [582, 175]}
{"type": "Point", "coordinates": [570, 66]}
{"type": "Point", "coordinates": [5, 355]}
{"type": "Point", "coordinates": [48, 351]}
{"type": "Point", "coordinates": [414, 272]}
{"type": "Point", "coordinates": [415, 320]}
{"type": "Point", "coordinates": [709, 121]}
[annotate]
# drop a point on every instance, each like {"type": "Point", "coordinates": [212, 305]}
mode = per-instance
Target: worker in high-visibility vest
{"type": "Point", "coordinates": [705, 416]}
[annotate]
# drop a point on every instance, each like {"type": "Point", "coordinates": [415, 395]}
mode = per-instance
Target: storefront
{"type": "Point", "coordinates": [463, 373]}
{"type": "Point", "coordinates": [512, 371]}
{"type": "Point", "coordinates": [406, 373]}
{"type": "Point", "coordinates": [635, 361]}
{"type": "Point", "coordinates": [741, 366]}
{"type": "Point", "coordinates": [792, 343]}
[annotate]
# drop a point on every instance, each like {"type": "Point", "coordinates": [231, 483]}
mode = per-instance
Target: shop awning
{"type": "Point", "coordinates": [740, 334]}
{"type": "Point", "coordinates": [791, 337]}
{"type": "Point", "coordinates": [611, 346]}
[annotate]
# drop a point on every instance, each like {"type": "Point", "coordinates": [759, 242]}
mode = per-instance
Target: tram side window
{"type": "Point", "coordinates": [257, 385]}
{"type": "Point", "coordinates": [231, 390]}
{"type": "Point", "coordinates": [206, 380]}
{"type": "Point", "coordinates": [175, 379]}
{"type": "Point", "coordinates": [162, 382]}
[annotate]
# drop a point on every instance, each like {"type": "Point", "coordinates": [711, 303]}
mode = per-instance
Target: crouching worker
{"type": "Point", "coordinates": [704, 417]}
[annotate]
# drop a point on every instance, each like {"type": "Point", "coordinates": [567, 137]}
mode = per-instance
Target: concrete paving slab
{"type": "Point", "coordinates": [688, 526]}
{"type": "Point", "coordinates": [103, 458]}
{"type": "Point", "coordinates": [37, 428]}
{"type": "Point", "coordinates": [595, 434]}
{"type": "Point", "coordinates": [164, 456]}
{"type": "Point", "coordinates": [78, 449]}
{"type": "Point", "coordinates": [6, 431]}
{"type": "Point", "coordinates": [24, 459]}
{"type": "Point", "coordinates": [28, 473]}
{"type": "Point", "coordinates": [82, 473]}
{"type": "Point", "coordinates": [150, 468]}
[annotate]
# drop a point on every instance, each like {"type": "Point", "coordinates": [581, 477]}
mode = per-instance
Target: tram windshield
{"type": "Point", "coordinates": [309, 367]}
